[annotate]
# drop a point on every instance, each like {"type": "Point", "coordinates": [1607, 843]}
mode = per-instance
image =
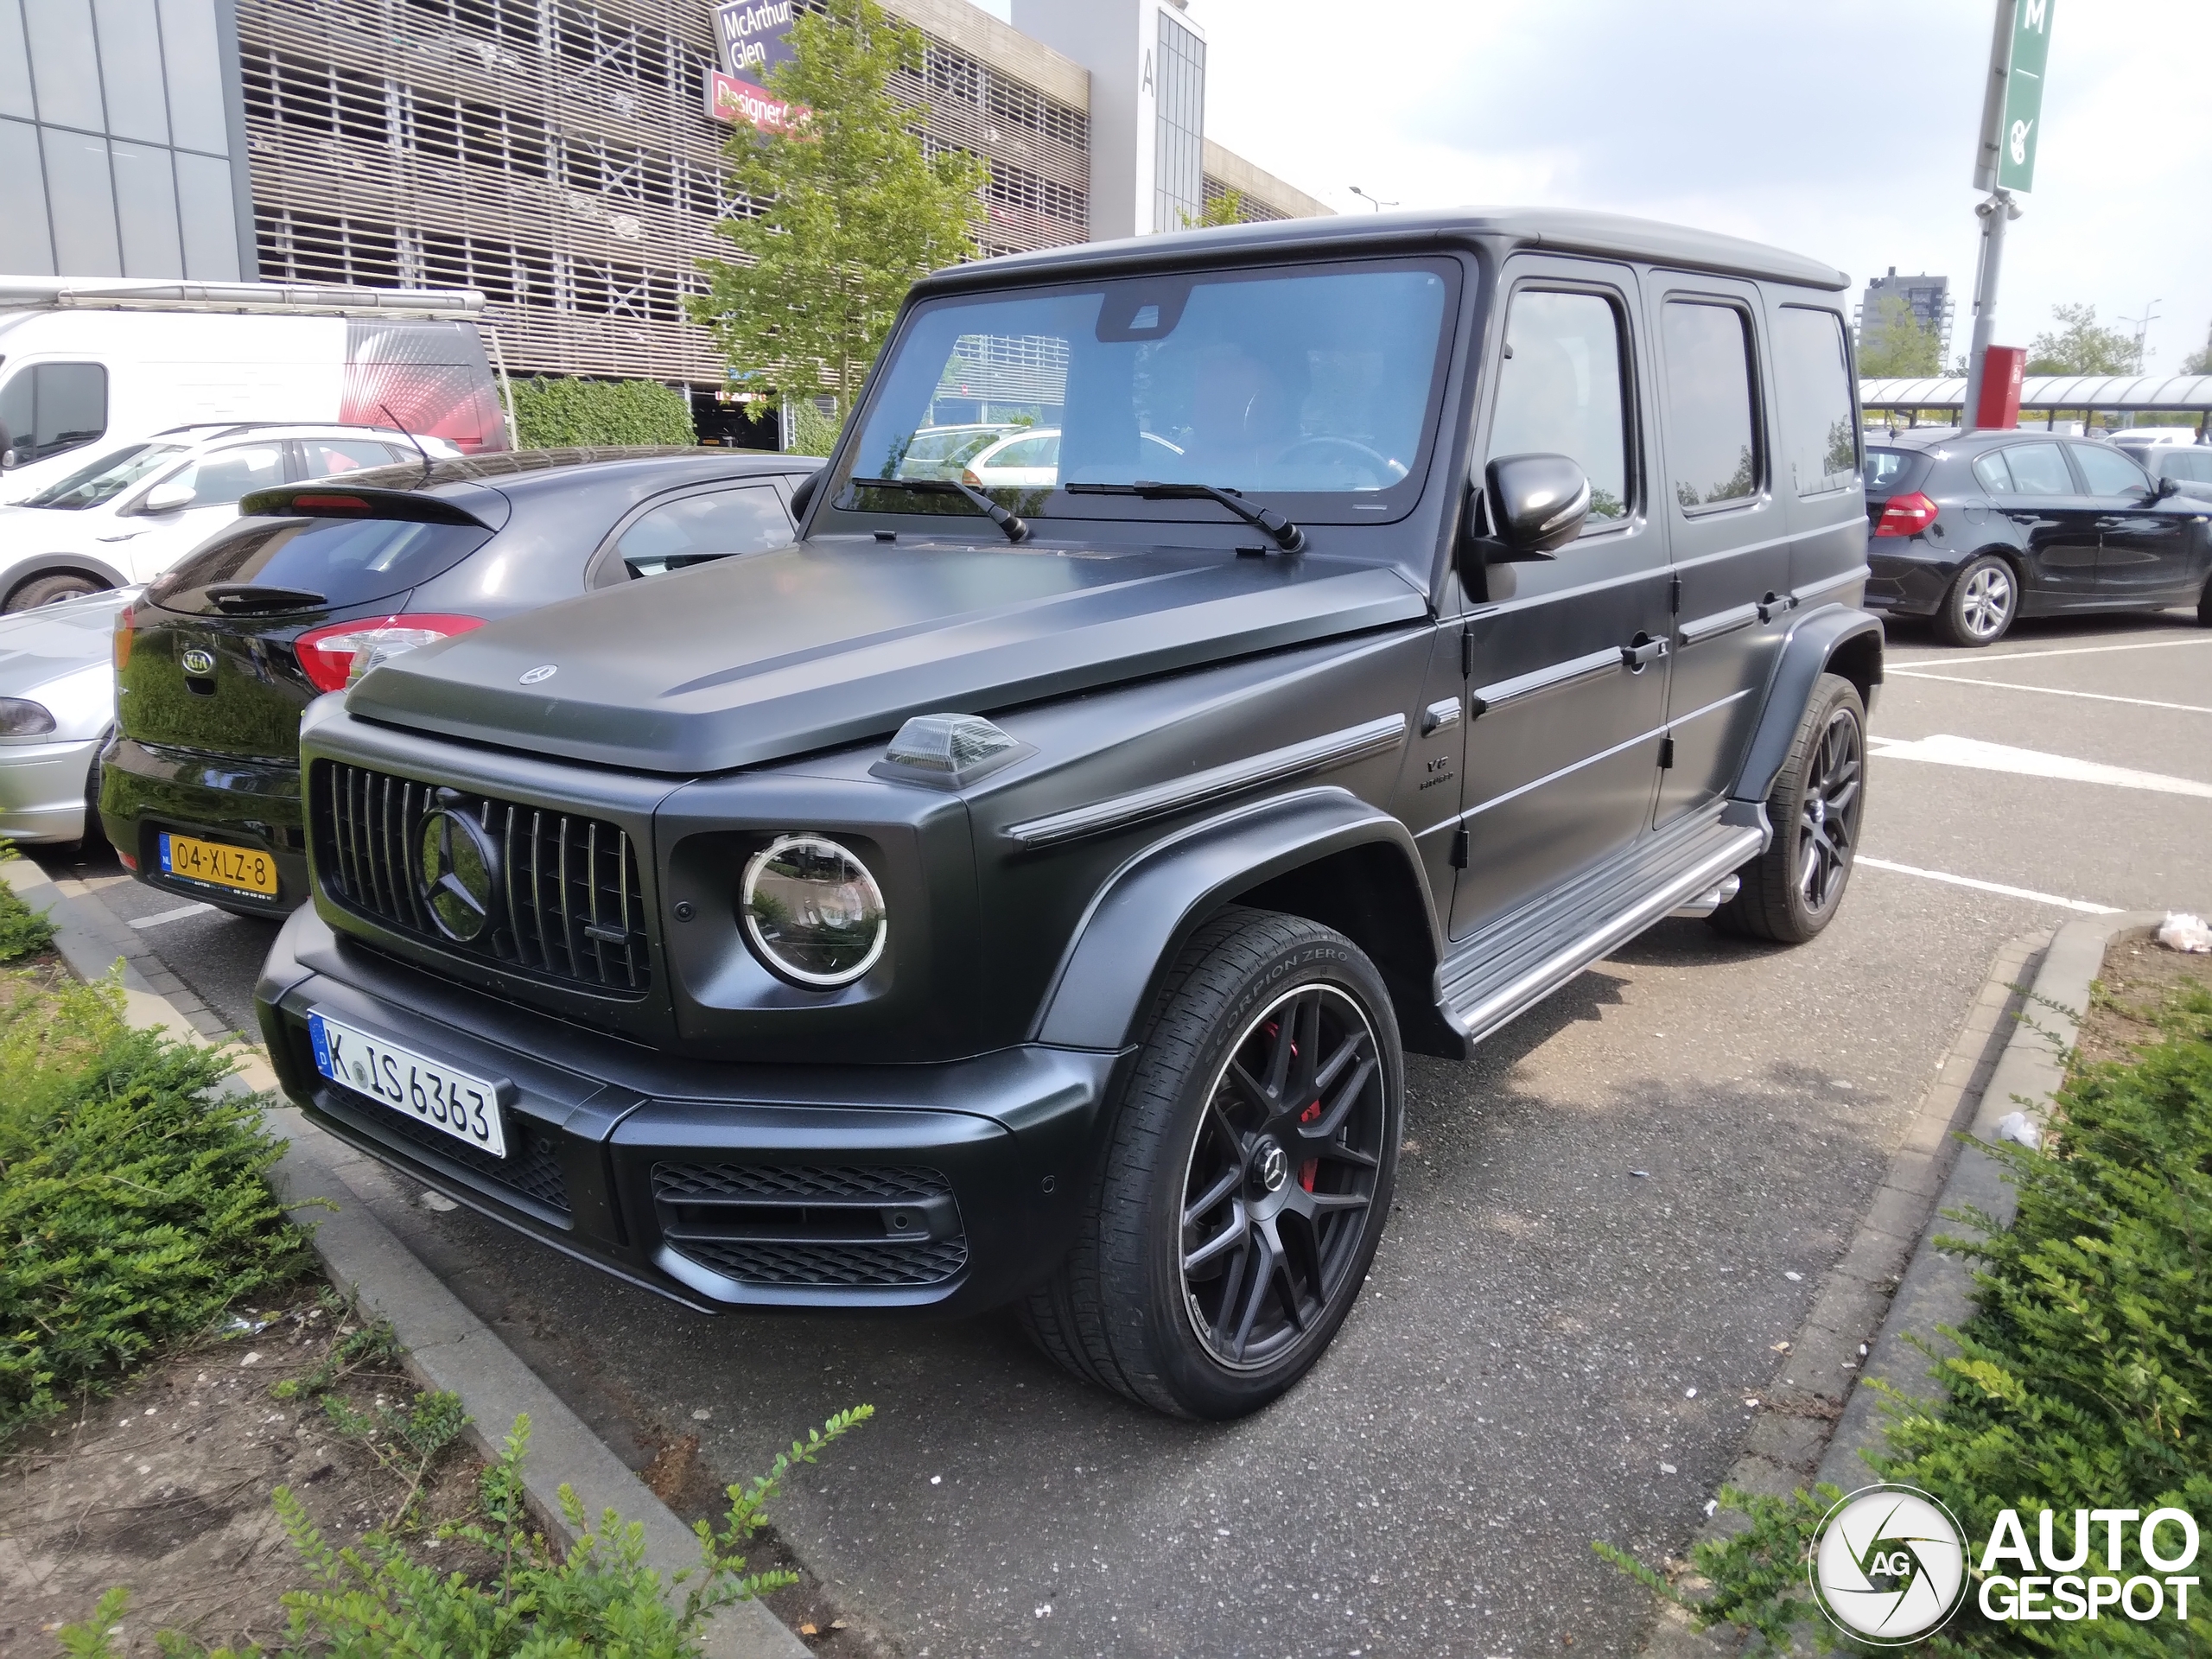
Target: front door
{"type": "Point", "coordinates": [2034, 487]}
{"type": "Point", "coordinates": [2146, 548]}
{"type": "Point", "coordinates": [1566, 684]}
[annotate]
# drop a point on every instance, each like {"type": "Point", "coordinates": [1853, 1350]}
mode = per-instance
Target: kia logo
{"type": "Point", "coordinates": [198, 662]}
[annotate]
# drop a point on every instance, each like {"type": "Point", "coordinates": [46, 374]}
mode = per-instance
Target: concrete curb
{"type": "Point", "coordinates": [448, 1347]}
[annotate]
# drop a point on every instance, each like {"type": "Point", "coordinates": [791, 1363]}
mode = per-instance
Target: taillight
{"type": "Point", "coordinates": [967, 477]}
{"type": "Point", "coordinates": [333, 657]}
{"type": "Point", "coordinates": [1906, 515]}
{"type": "Point", "coordinates": [126, 627]}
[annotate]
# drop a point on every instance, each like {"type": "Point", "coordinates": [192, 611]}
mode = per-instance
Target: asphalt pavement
{"type": "Point", "coordinates": [1602, 1225]}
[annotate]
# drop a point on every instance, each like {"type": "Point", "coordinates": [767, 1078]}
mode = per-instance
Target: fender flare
{"type": "Point", "coordinates": [1142, 913]}
{"type": "Point", "coordinates": [1812, 644]}
{"type": "Point", "coordinates": [56, 564]}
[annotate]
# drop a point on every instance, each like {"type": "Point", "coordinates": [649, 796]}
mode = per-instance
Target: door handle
{"type": "Point", "coordinates": [1641, 652]}
{"type": "Point", "coordinates": [1775, 604]}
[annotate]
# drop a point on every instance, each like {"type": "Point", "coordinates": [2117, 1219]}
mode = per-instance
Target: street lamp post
{"type": "Point", "coordinates": [1378, 205]}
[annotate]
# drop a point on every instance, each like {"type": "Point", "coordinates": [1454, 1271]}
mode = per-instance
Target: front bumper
{"type": "Point", "coordinates": [145, 789]}
{"type": "Point", "coordinates": [951, 1186]}
{"type": "Point", "coordinates": [42, 789]}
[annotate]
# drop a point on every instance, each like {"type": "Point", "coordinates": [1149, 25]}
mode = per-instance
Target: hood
{"type": "Point", "coordinates": [756, 658]}
{"type": "Point", "coordinates": [40, 646]}
{"type": "Point", "coordinates": [27, 530]}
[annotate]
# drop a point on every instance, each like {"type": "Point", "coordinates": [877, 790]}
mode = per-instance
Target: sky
{"type": "Point", "coordinates": [1843, 132]}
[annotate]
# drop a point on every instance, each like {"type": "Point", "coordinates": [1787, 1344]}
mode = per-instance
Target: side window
{"type": "Point", "coordinates": [2195, 465]}
{"type": "Point", "coordinates": [1560, 390]}
{"type": "Point", "coordinates": [2107, 472]}
{"type": "Point", "coordinates": [49, 408]}
{"type": "Point", "coordinates": [1820, 440]}
{"type": "Point", "coordinates": [2038, 469]}
{"type": "Point", "coordinates": [697, 528]}
{"type": "Point", "coordinates": [223, 477]}
{"type": "Point", "coordinates": [1989, 473]}
{"type": "Point", "coordinates": [1030, 452]}
{"type": "Point", "coordinates": [1712, 457]}
{"type": "Point", "coordinates": [327, 457]}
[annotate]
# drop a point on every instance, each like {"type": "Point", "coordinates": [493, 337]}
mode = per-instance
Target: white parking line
{"type": "Point", "coordinates": [2047, 691]}
{"type": "Point", "coordinates": [159, 916]}
{"type": "Point", "coordinates": [2070, 651]}
{"type": "Point", "coordinates": [2029, 894]}
{"type": "Point", "coordinates": [1944, 749]}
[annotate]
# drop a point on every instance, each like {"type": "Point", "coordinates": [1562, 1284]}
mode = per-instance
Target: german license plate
{"type": "Point", "coordinates": [434, 1093]}
{"type": "Point", "coordinates": [244, 868]}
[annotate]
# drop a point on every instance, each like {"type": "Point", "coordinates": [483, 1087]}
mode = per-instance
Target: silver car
{"type": "Point", "coordinates": [57, 706]}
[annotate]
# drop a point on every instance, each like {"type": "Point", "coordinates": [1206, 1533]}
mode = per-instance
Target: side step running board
{"type": "Point", "coordinates": [1481, 1006]}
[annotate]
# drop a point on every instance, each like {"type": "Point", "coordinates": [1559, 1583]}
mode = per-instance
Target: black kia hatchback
{"type": "Point", "coordinates": [1974, 530]}
{"type": "Point", "coordinates": [200, 787]}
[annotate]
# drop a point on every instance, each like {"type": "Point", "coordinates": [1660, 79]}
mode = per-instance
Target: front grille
{"type": "Point", "coordinates": [533, 1169]}
{"type": "Point", "coordinates": [852, 1227]}
{"type": "Point", "coordinates": [567, 902]}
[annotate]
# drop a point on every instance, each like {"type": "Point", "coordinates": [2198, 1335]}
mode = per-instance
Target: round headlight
{"type": "Point", "coordinates": [812, 910]}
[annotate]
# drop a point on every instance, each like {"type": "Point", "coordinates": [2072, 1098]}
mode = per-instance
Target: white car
{"type": "Point", "coordinates": [1030, 460]}
{"type": "Point", "coordinates": [57, 705]}
{"type": "Point", "coordinates": [133, 511]}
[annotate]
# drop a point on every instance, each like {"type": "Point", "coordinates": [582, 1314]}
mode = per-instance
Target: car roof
{"type": "Point", "coordinates": [201, 431]}
{"type": "Point", "coordinates": [521, 474]}
{"type": "Point", "coordinates": [1950, 437]}
{"type": "Point", "coordinates": [1612, 235]}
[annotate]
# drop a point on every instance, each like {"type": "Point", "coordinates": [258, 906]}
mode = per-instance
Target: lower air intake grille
{"type": "Point", "coordinates": [855, 1227]}
{"type": "Point", "coordinates": [857, 1267]}
{"type": "Point", "coordinates": [559, 893]}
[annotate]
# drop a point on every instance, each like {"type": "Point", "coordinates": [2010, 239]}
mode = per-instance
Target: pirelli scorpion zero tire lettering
{"type": "Point", "coordinates": [1244, 1180]}
{"type": "Point", "coordinates": [1791, 891]}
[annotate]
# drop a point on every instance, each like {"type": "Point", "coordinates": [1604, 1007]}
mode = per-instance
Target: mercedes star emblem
{"type": "Point", "coordinates": [456, 872]}
{"type": "Point", "coordinates": [542, 671]}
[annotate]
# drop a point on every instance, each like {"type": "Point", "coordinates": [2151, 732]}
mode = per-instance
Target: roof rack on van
{"type": "Point", "coordinates": [32, 293]}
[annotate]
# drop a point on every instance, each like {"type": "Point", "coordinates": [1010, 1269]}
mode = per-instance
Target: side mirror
{"type": "Point", "coordinates": [7, 448]}
{"type": "Point", "coordinates": [1537, 504]}
{"type": "Point", "coordinates": [803, 493]}
{"type": "Point", "coordinates": [168, 497]}
{"type": "Point", "coordinates": [2162, 488]}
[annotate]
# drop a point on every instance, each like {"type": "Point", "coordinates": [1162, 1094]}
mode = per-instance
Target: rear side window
{"type": "Point", "coordinates": [1989, 472]}
{"type": "Point", "coordinates": [327, 457]}
{"type": "Point", "coordinates": [2038, 469]}
{"type": "Point", "coordinates": [1710, 452]}
{"type": "Point", "coordinates": [217, 480]}
{"type": "Point", "coordinates": [1820, 431]}
{"type": "Point", "coordinates": [1889, 471]}
{"type": "Point", "coordinates": [1030, 452]}
{"type": "Point", "coordinates": [348, 561]}
{"type": "Point", "coordinates": [2195, 465]}
{"type": "Point", "coordinates": [698, 528]}
{"type": "Point", "coordinates": [1559, 390]}
{"type": "Point", "coordinates": [2107, 472]}
{"type": "Point", "coordinates": [50, 408]}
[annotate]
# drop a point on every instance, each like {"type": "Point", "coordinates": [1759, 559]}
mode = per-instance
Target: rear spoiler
{"type": "Point", "coordinates": [328, 500]}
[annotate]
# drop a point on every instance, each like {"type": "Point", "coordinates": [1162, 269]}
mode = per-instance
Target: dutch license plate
{"type": "Point", "coordinates": [246, 868]}
{"type": "Point", "coordinates": [429, 1090]}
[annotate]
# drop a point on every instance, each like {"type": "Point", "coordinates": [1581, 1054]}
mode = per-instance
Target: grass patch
{"type": "Point", "coordinates": [134, 1206]}
{"type": "Point", "coordinates": [2082, 1381]}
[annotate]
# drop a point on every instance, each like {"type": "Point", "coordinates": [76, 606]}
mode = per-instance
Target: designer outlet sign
{"type": "Point", "coordinates": [754, 37]}
{"type": "Point", "coordinates": [1890, 1566]}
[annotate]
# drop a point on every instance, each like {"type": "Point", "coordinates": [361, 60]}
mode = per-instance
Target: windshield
{"type": "Point", "coordinates": [106, 477]}
{"type": "Point", "coordinates": [346, 561]}
{"type": "Point", "coordinates": [1316, 386]}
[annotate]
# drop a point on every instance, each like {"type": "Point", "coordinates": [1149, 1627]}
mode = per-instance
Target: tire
{"type": "Point", "coordinates": [1980, 605]}
{"type": "Point", "coordinates": [1188, 1316]}
{"type": "Point", "coordinates": [2204, 607]}
{"type": "Point", "coordinates": [45, 590]}
{"type": "Point", "coordinates": [1793, 889]}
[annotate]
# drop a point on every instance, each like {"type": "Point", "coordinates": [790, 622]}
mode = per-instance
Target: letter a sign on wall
{"type": "Point", "coordinates": [2018, 129]}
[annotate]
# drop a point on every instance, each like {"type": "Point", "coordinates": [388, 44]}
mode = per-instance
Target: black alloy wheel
{"type": "Point", "coordinates": [1242, 1184]}
{"type": "Point", "coordinates": [1792, 890]}
{"type": "Point", "coordinates": [1980, 603]}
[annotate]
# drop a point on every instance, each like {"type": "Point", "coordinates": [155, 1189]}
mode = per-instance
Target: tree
{"type": "Point", "coordinates": [1895, 345]}
{"type": "Point", "coordinates": [2202, 363]}
{"type": "Point", "coordinates": [2080, 347]}
{"type": "Point", "coordinates": [1227, 208]}
{"type": "Point", "coordinates": [854, 212]}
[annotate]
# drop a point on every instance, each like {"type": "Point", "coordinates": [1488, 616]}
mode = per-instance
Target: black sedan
{"type": "Point", "coordinates": [315, 583]}
{"type": "Point", "coordinates": [1976, 529]}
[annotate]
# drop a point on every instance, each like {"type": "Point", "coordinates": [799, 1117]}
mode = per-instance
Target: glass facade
{"type": "Point", "coordinates": [1179, 152]}
{"type": "Point", "coordinates": [119, 126]}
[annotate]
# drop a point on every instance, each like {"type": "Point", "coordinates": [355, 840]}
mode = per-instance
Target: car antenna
{"type": "Point", "coordinates": [410, 436]}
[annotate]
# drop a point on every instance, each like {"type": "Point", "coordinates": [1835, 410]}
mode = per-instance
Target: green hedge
{"type": "Point", "coordinates": [554, 413]}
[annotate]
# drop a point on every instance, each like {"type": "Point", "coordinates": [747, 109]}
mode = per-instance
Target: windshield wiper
{"type": "Point", "coordinates": [1016, 528]}
{"type": "Point", "coordinates": [249, 596]}
{"type": "Point", "coordinates": [1287, 536]}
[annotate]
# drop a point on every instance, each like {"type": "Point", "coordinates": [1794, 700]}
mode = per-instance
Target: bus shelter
{"type": "Point", "coordinates": [2122, 394]}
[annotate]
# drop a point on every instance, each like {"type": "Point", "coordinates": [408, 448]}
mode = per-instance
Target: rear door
{"type": "Point", "coordinates": [2035, 488]}
{"type": "Point", "coordinates": [2146, 547]}
{"type": "Point", "coordinates": [1563, 748]}
{"type": "Point", "coordinates": [1731, 536]}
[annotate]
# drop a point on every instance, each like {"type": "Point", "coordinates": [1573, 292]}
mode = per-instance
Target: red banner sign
{"type": "Point", "coordinates": [731, 100]}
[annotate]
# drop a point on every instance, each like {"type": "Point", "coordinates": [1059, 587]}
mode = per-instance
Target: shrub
{"type": "Point", "coordinates": [133, 1202]}
{"type": "Point", "coordinates": [554, 413]}
{"type": "Point", "coordinates": [23, 931]}
{"type": "Point", "coordinates": [2084, 1377]}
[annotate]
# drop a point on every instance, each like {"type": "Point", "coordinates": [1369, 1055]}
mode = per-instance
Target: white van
{"type": "Point", "coordinates": [85, 363]}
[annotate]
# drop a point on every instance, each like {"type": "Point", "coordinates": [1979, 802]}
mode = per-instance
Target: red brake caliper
{"type": "Point", "coordinates": [1306, 1174]}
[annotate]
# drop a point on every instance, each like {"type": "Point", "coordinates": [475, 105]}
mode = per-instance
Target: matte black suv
{"type": "Point", "coordinates": [1031, 895]}
{"type": "Point", "coordinates": [1975, 530]}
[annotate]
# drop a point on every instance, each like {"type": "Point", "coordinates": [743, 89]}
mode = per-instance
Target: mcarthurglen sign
{"type": "Point", "coordinates": [754, 36]}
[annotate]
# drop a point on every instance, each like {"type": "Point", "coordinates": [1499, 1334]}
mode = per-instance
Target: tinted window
{"type": "Point", "coordinates": [108, 477]}
{"type": "Point", "coordinates": [1820, 440]}
{"type": "Point", "coordinates": [698, 528]}
{"type": "Point", "coordinates": [1559, 390]}
{"type": "Point", "coordinates": [327, 457]}
{"type": "Point", "coordinates": [2107, 472]}
{"type": "Point", "coordinates": [1710, 455]}
{"type": "Point", "coordinates": [2196, 465]}
{"type": "Point", "coordinates": [221, 479]}
{"type": "Point", "coordinates": [2038, 469]}
{"type": "Point", "coordinates": [1989, 472]}
{"type": "Point", "coordinates": [348, 561]}
{"type": "Point", "coordinates": [48, 408]}
{"type": "Point", "coordinates": [1886, 469]}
